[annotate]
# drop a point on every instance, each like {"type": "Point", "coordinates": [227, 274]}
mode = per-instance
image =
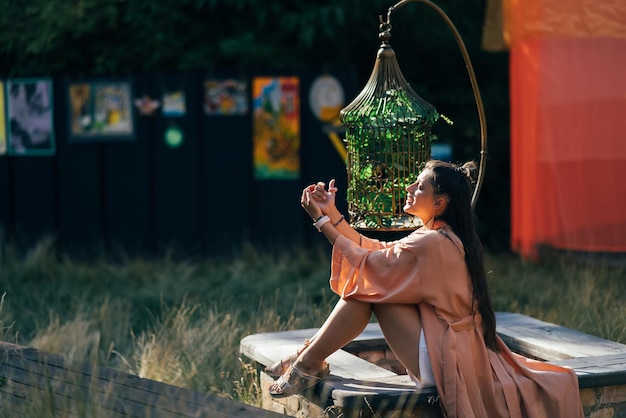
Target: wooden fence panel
{"type": "Point", "coordinates": [80, 200]}
{"type": "Point", "coordinates": [35, 208]}
{"type": "Point", "coordinates": [227, 188]}
{"type": "Point", "coordinates": [6, 199]}
{"type": "Point", "coordinates": [128, 191]}
{"type": "Point", "coordinates": [177, 199]}
{"type": "Point", "coordinates": [78, 182]}
{"type": "Point", "coordinates": [146, 197]}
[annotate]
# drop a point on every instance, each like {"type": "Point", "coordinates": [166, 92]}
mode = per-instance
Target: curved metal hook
{"type": "Point", "coordinates": [472, 76]}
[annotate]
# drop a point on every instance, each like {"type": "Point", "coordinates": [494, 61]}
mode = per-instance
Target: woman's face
{"type": "Point", "coordinates": [420, 199]}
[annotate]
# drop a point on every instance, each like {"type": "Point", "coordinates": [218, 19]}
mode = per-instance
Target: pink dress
{"type": "Point", "coordinates": [427, 268]}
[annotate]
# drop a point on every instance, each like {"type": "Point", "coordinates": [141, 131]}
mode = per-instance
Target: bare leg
{"type": "Point", "coordinates": [345, 323]}
{"type": "Point", "coordinates": [401, 325]}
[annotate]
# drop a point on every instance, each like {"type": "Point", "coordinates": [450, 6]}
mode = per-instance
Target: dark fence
{"type": "Point", "coordinates": [144, 197]}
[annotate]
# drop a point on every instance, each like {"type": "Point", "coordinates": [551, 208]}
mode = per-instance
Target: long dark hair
{"type": "Point", "coordinates": [456, 183]}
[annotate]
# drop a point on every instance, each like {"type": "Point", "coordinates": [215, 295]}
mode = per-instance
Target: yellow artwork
{"type": "Point", "coordinates": [101, 110]}
{"type": "Point", "coordinates": [276, 128]}
{"type": "Point", "coordinates": [3, 125]}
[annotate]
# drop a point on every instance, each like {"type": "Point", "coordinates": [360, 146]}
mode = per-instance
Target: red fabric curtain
{"type": "Point", "coordinates": [568, 124]}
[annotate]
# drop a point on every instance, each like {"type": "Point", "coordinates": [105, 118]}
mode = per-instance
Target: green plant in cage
{"type": "Point", "coordinates": [388, 139]}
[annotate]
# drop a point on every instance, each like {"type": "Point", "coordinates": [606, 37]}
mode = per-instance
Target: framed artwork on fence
{"type": "Point", "coordinates": [3, 125]}
{"type": "Point", "coordinates": [29, 116]}
{"type": "Point", "coordinates": [227, 97]}
{"type": "Point", "coordinates": [101, 111]}
{"type": "Point", "coordinates": [174, 104]}
{"type": "Point", "coordinates": [276, 128]}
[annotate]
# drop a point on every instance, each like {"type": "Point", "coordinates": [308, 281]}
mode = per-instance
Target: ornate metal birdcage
{"type": "Point", "coordinates": [388, 136]}
{"type": "Point", "coordinates": [388, 139]}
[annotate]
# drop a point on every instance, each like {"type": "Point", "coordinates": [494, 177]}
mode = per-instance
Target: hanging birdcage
{"type": "Point", "coordinates": [388, 140]}
{"type": "Point", "coordinates": [388, 128]}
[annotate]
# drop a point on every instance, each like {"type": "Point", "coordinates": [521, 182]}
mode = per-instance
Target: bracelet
{"type": "Point", "coordinates": [339, 221]}
{"type": "Point", "coordinates": [321, 221]}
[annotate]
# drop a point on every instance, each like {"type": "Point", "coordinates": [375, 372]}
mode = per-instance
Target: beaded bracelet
{"type": "Point", "coordinates": [339, 221]}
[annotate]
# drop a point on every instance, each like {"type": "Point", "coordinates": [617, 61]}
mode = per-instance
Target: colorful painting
{"type": "Point", "coordinates": [3, 125]}
{"type": "Point", "coordinates": [225, 97]}
{"type": "Point", "coordinates": [30, 117]}
{"type": "Point", "coordinates": [101, 111]}
{"type": "Point", "coordinates": [276, 124]}
{"type": "Point", "coordinates": [174, 104]}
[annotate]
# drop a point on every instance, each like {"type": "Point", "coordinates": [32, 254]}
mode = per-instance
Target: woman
{"type": "Point", "coordinates": [429, 294]}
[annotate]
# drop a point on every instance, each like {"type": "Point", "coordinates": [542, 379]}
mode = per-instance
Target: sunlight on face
{"type": "Point", "coordinates": [420, 197]}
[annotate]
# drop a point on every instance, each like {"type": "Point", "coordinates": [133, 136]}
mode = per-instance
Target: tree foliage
{"type": "Point", "coordinates": [48, 37]}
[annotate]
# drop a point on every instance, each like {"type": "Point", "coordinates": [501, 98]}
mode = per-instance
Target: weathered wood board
{"type": "Point", "coordinates": [32, 380]}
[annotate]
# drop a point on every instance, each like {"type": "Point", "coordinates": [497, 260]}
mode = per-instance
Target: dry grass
{"type": "Point", "coordinates": [180, 322]}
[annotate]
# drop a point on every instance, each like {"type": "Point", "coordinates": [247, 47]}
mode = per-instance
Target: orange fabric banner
{"type": "Point", "coordinates": [540, 19]}
{"type": "Point", "coordinates": [568, 126]}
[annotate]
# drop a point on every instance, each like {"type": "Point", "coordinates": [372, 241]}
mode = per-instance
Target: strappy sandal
{"type": "Point", "coordinates": [295, 381]}
{"type": "Point", "coordinates": [280, 367]}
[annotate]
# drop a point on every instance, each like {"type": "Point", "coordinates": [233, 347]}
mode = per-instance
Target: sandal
{"type": "Point", "coordinates": [295, 381]}
{"type": "Point", "coordinates": [282, 366]}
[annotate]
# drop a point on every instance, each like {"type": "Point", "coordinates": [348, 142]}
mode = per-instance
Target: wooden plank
{"type": "Point", "coordinates": [112, 399]}
{"type": "Point", "coordinates": [546, 341]}
{"type": "Point", "coordinates": [78, 184]}
{"type": "Point", "coordinates": [25, 399]}
{"type": "Point", "coordinates": [80, 201]}
{"type": "Point", "coordinates": [179, 214]}
{"type": "Point", "coordinates": [34, 198]}
{"type": "Point", "coordinates": [27, 371]}
{"type": "Point", "coordinates": [226, 150]}
{"type": "Point", "coordinates": [600, 371]}
{"type": "Point", "coordinates": [522, 334]}
{"type": "Point", "coordinates": [268, 348]}
{"type": "Point", "coordinates": [393, 392]}
{"type": "Point", "coordinates": [127, 190]}
{"type": "Point", "coordinates": [529, 336]}
{"type": "Point", "coordinates": [6, 197]}
{"type": "Point", "coordinates": [354, 383]}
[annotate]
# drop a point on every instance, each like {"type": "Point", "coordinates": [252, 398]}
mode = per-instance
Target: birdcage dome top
{"type": "Point", "coordinates": [387, 99]}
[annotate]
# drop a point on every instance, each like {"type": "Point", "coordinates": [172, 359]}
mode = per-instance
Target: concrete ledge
{"type": "Point", "coordinates": [366, 379]}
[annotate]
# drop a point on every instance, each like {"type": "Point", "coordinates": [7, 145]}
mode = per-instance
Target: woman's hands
{"type": "Point", "coordinates": [318, 201]}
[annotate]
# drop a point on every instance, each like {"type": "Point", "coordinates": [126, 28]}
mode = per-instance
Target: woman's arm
{"type": "Point", "coordinates": [339, 223]}
{"type": "Point", "coordinates": [318, 202]}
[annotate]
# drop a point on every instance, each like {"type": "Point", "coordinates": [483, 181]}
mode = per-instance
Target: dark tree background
{"type": "Point", "coordinates": [121, 37]}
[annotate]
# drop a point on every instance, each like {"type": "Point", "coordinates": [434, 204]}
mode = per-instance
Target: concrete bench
{"type": "Point", "coordinates": [38, 384]}
{"type": "Point", "coordinates": [366, 379]}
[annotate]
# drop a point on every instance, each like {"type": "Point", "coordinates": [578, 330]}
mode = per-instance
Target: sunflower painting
{"type": "Point", "coordinates": [276, 125]}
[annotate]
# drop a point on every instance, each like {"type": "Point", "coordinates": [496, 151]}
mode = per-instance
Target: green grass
{"type": "Point", "coordinates": [180, 322]}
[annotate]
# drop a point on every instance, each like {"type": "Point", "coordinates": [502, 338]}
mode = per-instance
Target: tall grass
{"type": "Point", "coordinates": [180, 322]}
{"type": "Point", "coordinates": [586, 294]}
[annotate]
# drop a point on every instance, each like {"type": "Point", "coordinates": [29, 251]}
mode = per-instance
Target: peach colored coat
{"type": "Point", "coordinates": [428, 269]}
